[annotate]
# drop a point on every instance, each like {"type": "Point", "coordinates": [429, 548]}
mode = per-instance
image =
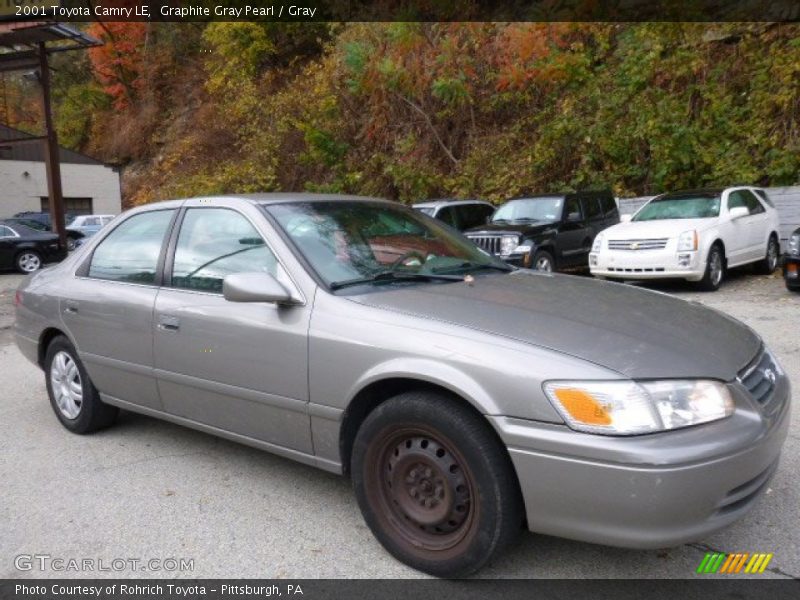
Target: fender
{"type": "Point", "coordinates": [433, 372]}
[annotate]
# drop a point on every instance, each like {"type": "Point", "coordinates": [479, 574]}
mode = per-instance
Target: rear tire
{"type": "Point", "coordinates": [715, 270]}
{"type": "Point", "coordinates": [435, 485]}
{"type": "Point", "coordinates": [73, 397]}
{"type": "Point", "coordinates": [28, 261]}
{"type": "Point", "coordinates": [769, 263]}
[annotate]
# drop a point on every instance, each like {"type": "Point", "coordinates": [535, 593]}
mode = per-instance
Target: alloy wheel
{"type": "Point", "coordinates": [29, 262]}
{"type": "Point", "coordinates": [543, 264]}
{"type": "Point", "coordinates": [715, 264]}
{"type": "Point", "coordinates": [772, 255]}
{"type": "Point", "coordinates": [65, 381]}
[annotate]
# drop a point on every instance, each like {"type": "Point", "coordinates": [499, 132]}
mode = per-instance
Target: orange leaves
{"type": "Point", "coordinates": [119, 63]}
{"type": "Point", "coordinates": [529, 53]}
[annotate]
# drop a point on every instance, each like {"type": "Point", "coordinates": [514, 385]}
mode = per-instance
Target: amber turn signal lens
{"type": "Point", "coordinates": [582, 407]}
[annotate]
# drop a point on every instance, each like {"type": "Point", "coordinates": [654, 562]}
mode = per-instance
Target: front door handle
{"type": "Point", "coordinates": [71, 307]}
{"type": "Point", "coordinates": [169, 323]}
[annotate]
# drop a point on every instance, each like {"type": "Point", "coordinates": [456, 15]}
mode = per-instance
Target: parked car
{"type": "Point", "coordinates": [791, 262]}
{"type": "Point", "coordinates": [40, 225]}
{"type": "Point", "coordinates": [88, 225]}
{"type": "Point", "coordinates": [547, 232]}
{"type": "Point", "coordinates": [463, 396]}
{"type": "Point", "coordinates": [459, 214]}
{"type": "Point", "coordinates": [694, 235]}
{"type": "Point", "coordinates": [25, 249]}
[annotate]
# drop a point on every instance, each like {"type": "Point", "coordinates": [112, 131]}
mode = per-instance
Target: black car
{"type": "Point", "coordinates": [26, 249]}
{"type": "Point", "coordinates": [791, 262]}
{"type": "Point", "coordinates": [549, 231]}
{"type": "Point", "coordinates": [40, 221]}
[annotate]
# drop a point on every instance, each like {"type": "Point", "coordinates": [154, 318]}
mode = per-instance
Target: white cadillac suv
{"type": "Point", "coordinates": [693, 235]}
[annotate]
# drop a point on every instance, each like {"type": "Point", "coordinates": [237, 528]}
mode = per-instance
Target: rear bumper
{"type": "Point", "coordinates": [651, 491]}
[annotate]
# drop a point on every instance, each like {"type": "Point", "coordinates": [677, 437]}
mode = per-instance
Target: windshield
{"type": "Point", "coordinates": [546, 209]}
{"type": "Point", "coordinates": [679, 207]}
{"type": "Point", "coordinates": [346, 241]}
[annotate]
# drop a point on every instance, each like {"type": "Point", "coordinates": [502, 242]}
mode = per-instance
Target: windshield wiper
{"type": "Point", "coordinates": [526, 220]}
{"type": "Point", "coordinates": [468, 264]}
{"type": "Point", "coordinates": [390, 276]}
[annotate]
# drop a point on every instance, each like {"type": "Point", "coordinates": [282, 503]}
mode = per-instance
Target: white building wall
{"type": "Point", "coordinates": [20, 192]}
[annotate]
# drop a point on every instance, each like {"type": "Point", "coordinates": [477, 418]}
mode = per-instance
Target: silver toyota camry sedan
{"type": "Point", "coordinates": [466, 399]}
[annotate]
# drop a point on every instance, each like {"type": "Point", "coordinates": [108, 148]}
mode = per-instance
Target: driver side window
{"type": "Point", "coordinates": [215, 242]}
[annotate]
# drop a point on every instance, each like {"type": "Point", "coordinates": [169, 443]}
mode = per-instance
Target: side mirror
{"type": "Point", "coordinates": [255, 287]}
{"type": "Point", "coordinates": [574, 217]}
{"type": "Point", "coordinates": [737, 212]}
{"type": "Point", "coordinates": [625, 218]}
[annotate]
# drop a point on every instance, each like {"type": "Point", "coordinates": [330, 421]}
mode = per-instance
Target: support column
{"type": "Point", "coordinates": [51, 155]}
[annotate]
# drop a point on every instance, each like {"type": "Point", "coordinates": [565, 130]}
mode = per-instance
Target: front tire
{"type": "Point", "coordinates": [715, 270]}
{"type": "Point", "coordinates": [28, 261]}
{"type": "Point", "coordinates": [73, 397]}
{"type": "Point", "coordinates": [435, 485]}
{"type": "Point", "coordinates": [543, 261]}
{"type": "Point", "coordinates": [769, 263]}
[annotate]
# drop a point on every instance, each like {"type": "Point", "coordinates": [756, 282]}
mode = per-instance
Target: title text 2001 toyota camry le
{"type": "Point", "coordinates": [464, 397]}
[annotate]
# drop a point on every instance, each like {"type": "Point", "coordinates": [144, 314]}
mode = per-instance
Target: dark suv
{"type": "Point", "coordinates": [547, 232]}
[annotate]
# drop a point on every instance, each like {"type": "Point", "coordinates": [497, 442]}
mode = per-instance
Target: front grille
{"type": "Point", "coordinates": [760, 376]}
{"type": "Point", "coordinates": [645, 244]}
{"type": "Point", "coordinates": [637, 270]}
{"type": "Point", "coordinates": [490, 243]}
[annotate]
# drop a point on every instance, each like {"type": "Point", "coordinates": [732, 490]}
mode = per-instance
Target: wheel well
{"type": "Point", "coordinates": [721, 244]}
{"type": "Point", "coordinates": [774, 235]}
{"type": "Point", "coordinates": [44, 341]}
{"type": "Point", "coordinates": [372, 396]}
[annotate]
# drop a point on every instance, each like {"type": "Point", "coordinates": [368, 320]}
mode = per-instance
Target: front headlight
{"type": "Point", "coordinates": [794, 245]}
{"type": "Point", "coordinates": [687, 241]}
{"type": "Point", "coordinates": [598, 243]}
{"type": "Point", "coordinates": [508, 243]}
{"type": "Point", "coordinates": [630, 407]}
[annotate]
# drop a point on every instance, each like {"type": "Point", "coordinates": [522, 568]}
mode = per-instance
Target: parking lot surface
{"type": "Point", "coordinates": [147, 489]}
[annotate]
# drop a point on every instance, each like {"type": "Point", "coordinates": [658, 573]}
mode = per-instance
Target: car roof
{"type": "Point", "coordinates": [694, 192]}
{"type": "Point", "coordinates": [448, 202]}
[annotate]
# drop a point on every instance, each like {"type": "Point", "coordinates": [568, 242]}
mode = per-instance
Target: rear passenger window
{"type": "Point", "coordinates": [752, 203]}
{"type": "Point", "coordinates": [215, 242]}
{"type": "Point", "coordinates": [609, 206]}
{"type": "Point", "coordinates": [591, 208]}
{"type": "Point", "coordinates": [130, 252]}
{"type": "Point", "coordinates": [473, 215]}
{"type": "Point", "coordinates": [448, 215]}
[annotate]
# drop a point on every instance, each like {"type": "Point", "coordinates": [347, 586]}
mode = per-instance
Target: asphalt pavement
{"type": "Point", "coordinates": [149, 490]}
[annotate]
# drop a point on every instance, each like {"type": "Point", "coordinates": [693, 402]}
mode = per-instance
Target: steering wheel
{"type": "Point", "coordinates": [409, 255]}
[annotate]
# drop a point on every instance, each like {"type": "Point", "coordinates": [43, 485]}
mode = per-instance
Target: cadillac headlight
{"type": "Point", "coordinates": [631, 407]}
{"type": "Point", "coordinates": [508, 243]}
{"type": "Point", "coordinates": [687, 241]}
{"type": "Point", "coordinates": [794, 245]}
{"type": "Point", "coordinates": [598, 243]}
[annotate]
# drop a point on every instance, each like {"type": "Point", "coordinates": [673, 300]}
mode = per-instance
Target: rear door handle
{"type": "Point", "coordinates": [169, 323]}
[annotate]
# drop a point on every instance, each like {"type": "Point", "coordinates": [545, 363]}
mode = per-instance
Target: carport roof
{"type": "Point", "coordinates": [19, 42]}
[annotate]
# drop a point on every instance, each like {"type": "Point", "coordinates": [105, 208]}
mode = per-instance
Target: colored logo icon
{"type": "Point", "coordinates": [741, 562]}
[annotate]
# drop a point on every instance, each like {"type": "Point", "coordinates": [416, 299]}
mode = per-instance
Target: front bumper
{"type": "Point", "coordinates": [649, 491]}
{"type": "Point", "coordinates": [648, 264]}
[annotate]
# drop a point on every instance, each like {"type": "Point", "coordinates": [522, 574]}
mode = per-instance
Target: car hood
{"type": "Point", "coordinates": [662, 228]}
{"type": "Point", "coordinates": [526, 229]}
{"type": "Point", "coordinates": [635, 332]}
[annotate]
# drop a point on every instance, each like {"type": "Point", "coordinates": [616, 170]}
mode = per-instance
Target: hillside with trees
{"type": "Point", "coordinates": [414, 110]}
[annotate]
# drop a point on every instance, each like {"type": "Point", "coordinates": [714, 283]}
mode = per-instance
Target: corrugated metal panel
{"type": "Point", "coordinates": [786, 199]}
{"type": "Point", "coordinates": [34, 151]}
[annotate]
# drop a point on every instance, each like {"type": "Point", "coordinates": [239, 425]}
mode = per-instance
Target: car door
{"type": "Point", "coordinates": [8, 245]}
{"type": "Point", "coordinates": [759, 226]}
{"type": "Point", "coordinates": [737, 232]}
{"type": "Point", "coordinates": [108, 307]}
{"type": "Point", "coordinates": [240, 367]}
{"type": "Point", "coordinates": [573, 234]}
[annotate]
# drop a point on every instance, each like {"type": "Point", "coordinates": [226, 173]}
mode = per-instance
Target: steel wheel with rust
{"type": "Point", "coordinates": [434, 483]}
